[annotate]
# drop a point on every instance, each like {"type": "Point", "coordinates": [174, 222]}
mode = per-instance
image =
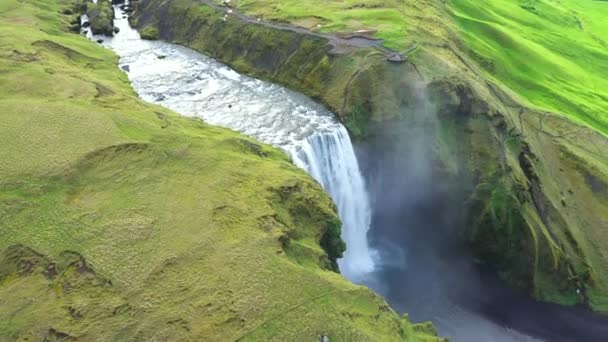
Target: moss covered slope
{"type": "Point", "coordinates": [121, 220]}
{"type": "Point", "coordinates": [536, 182]}
{"type": "Point", "coordinates": [552, 53]}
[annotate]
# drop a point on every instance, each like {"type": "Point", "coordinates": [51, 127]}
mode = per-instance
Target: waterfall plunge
{"type": "Point", "coordinates": [329, 157]}
{"type": "Point", "coordinates": [195, 85]}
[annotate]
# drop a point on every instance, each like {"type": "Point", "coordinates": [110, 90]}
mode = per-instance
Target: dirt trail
{"type": "Point", "coordinates": [338, 44]}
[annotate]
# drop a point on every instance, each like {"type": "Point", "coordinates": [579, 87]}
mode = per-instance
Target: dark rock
{"type": "Point", "coordinates": [56, 335]}
{"type": "Point", "coordinates": [396, 57]}
{"type": "Point", "coordinates": [116, 30]}
{"type": "Point", "coordinates": [453, 97]}
{"type": "Point", "coordinates": [86, 24]}
{"type": "Point", "coordinates": [100, 41]}
{"type": "Point", "coordinates": [252, 147]}
{"type": "Point", "coordinates": [126, 68]}
{"type": "Point", "coordinates": [595, 183]}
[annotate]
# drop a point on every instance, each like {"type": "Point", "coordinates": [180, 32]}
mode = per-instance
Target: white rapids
{"type": "Point", "coordinates": [195, 85]}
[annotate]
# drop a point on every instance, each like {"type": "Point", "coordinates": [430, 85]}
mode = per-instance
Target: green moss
{"type": "Point", "coordinates": [499, 230]}
{"type": "Point", "coordinates": [520, 221]}
{"type": "Point", "coordinates": [149, 32]}
{"type": "Point", "coordinates": [552, 54]}
{"type": "Point", "coordinates": [332, 243]}
{"type": "Point", "coordinates": [101, 17]}
{"type": "Point", "coordinates": [357, 123]}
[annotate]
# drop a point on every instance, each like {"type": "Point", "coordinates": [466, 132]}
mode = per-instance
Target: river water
{"type": "Point", "coordinates": [405, 267]}
{"type": "Point", "coordinates": [195, 85]}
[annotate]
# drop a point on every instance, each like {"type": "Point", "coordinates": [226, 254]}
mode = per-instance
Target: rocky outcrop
{"type": "Point", "coordinates": [101, 17]}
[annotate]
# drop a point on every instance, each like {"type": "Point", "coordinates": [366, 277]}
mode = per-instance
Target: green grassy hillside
{"type": "Point", "coordinates": [553, 54]}
{"type": "Point", "coordinates": [121, 220]}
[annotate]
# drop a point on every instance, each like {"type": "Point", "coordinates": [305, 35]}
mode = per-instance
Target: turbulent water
{"type": "Point", "coordinates": [195, 85]}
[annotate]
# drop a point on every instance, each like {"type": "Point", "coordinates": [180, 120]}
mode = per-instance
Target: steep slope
{"type": "Point", "coordinates": [534, 181]}
{"type": "Point", "coordinates": [552, 53]}
{"type": "Point", "coordinates": [121, 220]}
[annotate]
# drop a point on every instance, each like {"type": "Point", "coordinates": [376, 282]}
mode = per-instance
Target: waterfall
{"type": "Point", "coordinates": [196, 85]}
{"type": "Point", "coordinates": [330, 159]}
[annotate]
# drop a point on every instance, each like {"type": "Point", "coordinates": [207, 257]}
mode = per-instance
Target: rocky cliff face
{"type": "Point", "coordinates": [536, 184]}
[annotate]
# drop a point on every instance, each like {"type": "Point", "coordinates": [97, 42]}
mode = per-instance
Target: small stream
{"type": "Point", "coordinates": [401, 260]}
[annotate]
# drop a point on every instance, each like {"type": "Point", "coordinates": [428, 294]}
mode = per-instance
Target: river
{"type": "Point", "coordinates": [388, 206]}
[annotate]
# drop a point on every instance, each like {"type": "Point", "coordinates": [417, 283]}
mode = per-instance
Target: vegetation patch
{"type": "Point", "coordinates": [552, 54]}
{"type": "Point", "coordinates": [101, 17]}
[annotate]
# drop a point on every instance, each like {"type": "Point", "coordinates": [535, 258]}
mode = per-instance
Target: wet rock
{"type": "Point", "coordinates": [116, 30]}
{"type": "Point", "coordinates": [86, 24]}
{"type": "Point", "coordinates": [126, 68]}
{"type": "Point", "coordinates": [100, 41]}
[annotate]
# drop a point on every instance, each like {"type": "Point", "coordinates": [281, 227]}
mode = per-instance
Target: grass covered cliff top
{"type": "Point", "coordinates": [553, 54]}
{"type": "Point", "coordinates": [123, 221]}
